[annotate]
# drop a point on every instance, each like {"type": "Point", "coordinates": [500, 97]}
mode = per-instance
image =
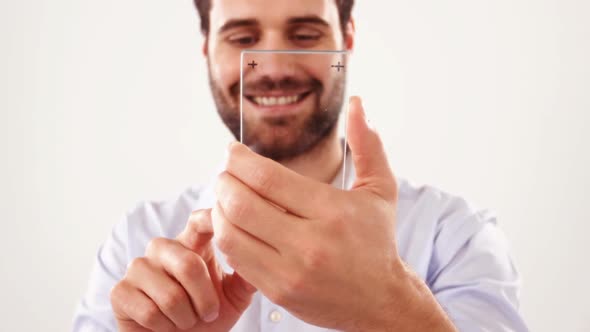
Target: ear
{"type": "Point", "coordinates": [349, 34]}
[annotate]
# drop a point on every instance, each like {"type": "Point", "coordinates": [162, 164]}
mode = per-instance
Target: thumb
{"type": "Point", "coordinates": [370, 161]}
{"type": "Point", "coordinates": [238, 291]}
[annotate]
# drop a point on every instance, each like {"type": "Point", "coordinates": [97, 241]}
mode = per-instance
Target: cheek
{"type": "Point", "coordinates": [320, 68]}
{"type": "Point", "coordinates": [225, 76]}
{"type": "Point", "coordinates": [225, 69]}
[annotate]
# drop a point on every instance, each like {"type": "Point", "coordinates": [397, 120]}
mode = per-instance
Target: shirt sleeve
{"type": "Point", "coordinates": [478, 284]}
{"type": "Point", "coordinates": [94, 312]}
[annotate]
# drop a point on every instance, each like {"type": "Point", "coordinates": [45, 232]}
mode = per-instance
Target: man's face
{"type": "Point", "coordinates": [290, 102]}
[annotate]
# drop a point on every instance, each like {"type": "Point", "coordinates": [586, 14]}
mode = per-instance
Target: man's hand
{"type": "Point", "coordinates": [179, 285]}
{"type": "Point", "coordinates": [328, 256]}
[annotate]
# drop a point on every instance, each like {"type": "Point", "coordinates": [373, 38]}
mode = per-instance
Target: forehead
{"type": "Point", "coordinates": [271, 12]}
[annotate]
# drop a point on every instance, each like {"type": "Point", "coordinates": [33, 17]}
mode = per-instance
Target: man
{"type": "Point", "coordinates": [271, 244]}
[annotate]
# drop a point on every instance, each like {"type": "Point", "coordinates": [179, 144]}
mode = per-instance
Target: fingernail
{"type": "Point", "coordinates": [232, 143]}
{"type": "Point", "coordinates": [211, 317]}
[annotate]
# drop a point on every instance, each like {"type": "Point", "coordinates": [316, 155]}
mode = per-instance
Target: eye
{"type": "Point", "coordinates": [305, 37]}
{"type": "Point", "coordinates": [243, 39]}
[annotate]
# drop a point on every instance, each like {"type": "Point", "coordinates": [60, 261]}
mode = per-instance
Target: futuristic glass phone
{"type": "Point", "coordinates": [294, 101]}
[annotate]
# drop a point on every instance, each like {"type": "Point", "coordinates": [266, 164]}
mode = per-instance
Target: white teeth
{"type": "Point", "coordinates": [271, 101]}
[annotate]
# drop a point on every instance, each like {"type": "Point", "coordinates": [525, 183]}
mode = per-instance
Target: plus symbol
{"type": "Point", "coordinates": [253, 64]}
{"type": "Point", "coordinates": [338, 66]}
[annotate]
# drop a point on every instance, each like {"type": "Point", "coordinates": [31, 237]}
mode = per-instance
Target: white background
{"type": "Point", "coordinates": [105, 103]}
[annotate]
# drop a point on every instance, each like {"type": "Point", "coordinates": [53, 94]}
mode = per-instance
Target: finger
{"type": "Point", "coordinates": [197, 234]}
{"type": "Point", "coordinates": [296, 193]}
{"type": "Point", "coordinates": [253, 214]}
{"type": "Point", "coordinates": [238, 291]}
{"type": "Point", "coordinates": [168, 295]}
{"type": "Point", "coordinates": [136, 312]}
{"type": "Point", "coordinates": [370, 160]}
{"type": "Point", "coordinates": [254, 260]}
{"type": "Point", "coordinates": [191, 271]}
{"type": "Point", "coordinates": [132, 326]}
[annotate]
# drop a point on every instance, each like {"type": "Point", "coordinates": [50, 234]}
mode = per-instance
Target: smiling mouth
{"type": "Point", "coordinates": [278, 100]}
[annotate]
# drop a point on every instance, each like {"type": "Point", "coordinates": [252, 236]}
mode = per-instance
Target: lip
{"type": "Point", "coordinates": [280, 110]}
{"type": "Point", "coordinates": [277, 93]}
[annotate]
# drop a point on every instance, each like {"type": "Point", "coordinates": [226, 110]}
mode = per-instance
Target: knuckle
{"type": "Point", "coordinates": [138, 264]}
{"type": "Point", "coordinates": [287, 293]}
{"type": "Point", "coordinates": [172, 298]}
{"type": "Point", "coordinates": [188, 265]}
{"type": "Point", "coordinates": [296, 283]}
{"type": "Point", "coordinates": [224, 180]}
{"type": "Point", "coordinates": [148, 314]}
{"type": "Point", "coordinates": [336, 225]}
{"type": "Point", "coordinates": [197, 214]}
{"type": "Point", "coordinates": [264, 178]}
{"type": "Point", "coordinates": [234, 205]}
{"type": "Point", "coordinates": [236, 208]}
{"type": "Point", "coordinates": [118, 293]}
{"type": "Point", "coordinates": [314, 258]}
{"type": "Point", "coordinates": [193, 221]}
{"type": "Point", "coordinates": [338, 221]}
{"type": "Point", "coordinates": [197, 218]}
{"type": "Point", "coordinates": [234, 150]}
{"type": "Point", "coordinates": [225, 243]}
{"type": "Point", "coordinates": [155, 245]}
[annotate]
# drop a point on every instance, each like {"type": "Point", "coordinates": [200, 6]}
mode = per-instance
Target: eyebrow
{"type": "Point", "coordinates": [236, 23]}
{"type": "Point", "coordinates": [314, 19]}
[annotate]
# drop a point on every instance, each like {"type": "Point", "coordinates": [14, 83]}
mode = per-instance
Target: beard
{"type": "Point", "coordinates": [290, 135]}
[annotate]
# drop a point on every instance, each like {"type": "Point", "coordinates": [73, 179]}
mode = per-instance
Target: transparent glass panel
{"type": "Point", "coordinates": [294, 103]}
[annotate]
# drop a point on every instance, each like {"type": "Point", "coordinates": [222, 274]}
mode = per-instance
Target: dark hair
{"type": "Point", "coordinates": [204, 8]}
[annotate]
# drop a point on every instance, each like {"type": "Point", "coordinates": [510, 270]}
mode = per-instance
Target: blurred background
{"type": "Point", "coordinates": [106, 103]}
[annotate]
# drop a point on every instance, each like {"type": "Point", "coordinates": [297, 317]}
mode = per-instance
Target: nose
{"type": "Point", "coordinates": [269, 64]}
{"type": "Point", "coordinates": [276, 66]}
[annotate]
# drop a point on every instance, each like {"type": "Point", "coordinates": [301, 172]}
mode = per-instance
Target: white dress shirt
{"type": "Point", "coordinates": [457, 249]}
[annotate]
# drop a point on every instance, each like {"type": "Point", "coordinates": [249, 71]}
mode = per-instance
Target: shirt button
{"type": "Point", "coordinates": [275, 316]}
